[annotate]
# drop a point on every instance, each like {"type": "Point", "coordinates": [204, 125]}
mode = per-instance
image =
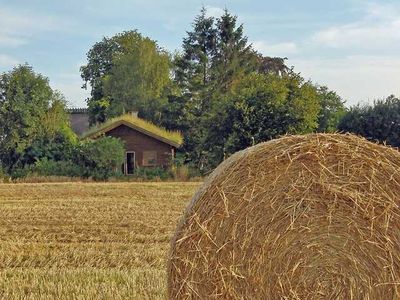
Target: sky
{"type": "Point", "coordinates": [352, 46]}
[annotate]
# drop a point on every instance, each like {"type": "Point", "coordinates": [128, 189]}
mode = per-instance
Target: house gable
{"type": "Point", "coordinates": [143, 145]}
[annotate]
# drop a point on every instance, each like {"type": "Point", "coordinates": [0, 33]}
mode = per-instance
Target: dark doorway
{"type": "Point", "coordinates": [130, 162]}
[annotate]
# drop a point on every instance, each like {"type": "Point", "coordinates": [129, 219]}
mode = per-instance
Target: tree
{"type": "Point", "coordinates": [259, 107]}
{"type": "Point", "coordinates": [332, 110]}
{"type": "Point", "coordinates": [137, 80]}
{"type": "Point", "coordinates": [234, 57]}
{"type": "Point", "coordinates": [26, 106]}
{"type": "Point", "coordinates": [126, 72]}
{"type": "Point", "coordinates": [193, 67]}
{"type": "Point", "coordinates": [215, 66]}
{"type": "Point", "coordinates": [272, 65]}
{"type": "Point", "coordinates": [100, 58]}
{"type": "Point", "coordinates": [378, 122]}
{"type": "Point", "coordinates": [215, 52]}
{"type": "Point", "coordinates": [55, 139]}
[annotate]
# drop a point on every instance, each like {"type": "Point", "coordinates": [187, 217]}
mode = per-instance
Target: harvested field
{"type": "Point", "coordinates": [87, 240]}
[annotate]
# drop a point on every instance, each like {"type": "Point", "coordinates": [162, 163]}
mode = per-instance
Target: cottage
{"type": "Point", "coordinates": [146, 145]}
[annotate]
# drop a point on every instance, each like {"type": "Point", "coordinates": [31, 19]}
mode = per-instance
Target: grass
{"type": "Point", "coordinates": [174, 136]}
{"type": "Point", "coordinates": [87, 240]}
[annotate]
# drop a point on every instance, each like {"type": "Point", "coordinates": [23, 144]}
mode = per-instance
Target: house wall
{"type": "Point", "coordinates": [79, 120]}
{"type": "Point", "coordinates": [139, 142]}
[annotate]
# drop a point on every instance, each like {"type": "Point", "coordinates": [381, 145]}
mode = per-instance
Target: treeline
{"type": "Point", "coordinates": [218, 91]}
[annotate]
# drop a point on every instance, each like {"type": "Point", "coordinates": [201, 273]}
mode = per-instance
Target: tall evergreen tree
{"type": "Point", "coordinates": [193, 67]}
{"type": "Point", "coordinates": [234, 57]}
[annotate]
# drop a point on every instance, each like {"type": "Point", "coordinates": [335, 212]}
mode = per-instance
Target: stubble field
{"type": "Point", "coordinates": [87, 240]}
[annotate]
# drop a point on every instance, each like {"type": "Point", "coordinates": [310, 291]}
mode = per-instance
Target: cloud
{"type": "Point", "coordinates": [213, 11]}
{"type": "Point", "coordinates": [11, 41]}
{"type": "Point", "coordinates": [7, 61]}
{"type": "Point", "coordinates": [18, 27]}
{"type": "Point", "coordinates": [279, 49]}
{"type": "Point", "coordinates": [357, 78]}
{"type": "Point", "coordinates": [379, 27]}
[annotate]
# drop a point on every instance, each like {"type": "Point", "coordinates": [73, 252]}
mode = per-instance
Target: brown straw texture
{"type": "Point", "coordinates": [300, 217]}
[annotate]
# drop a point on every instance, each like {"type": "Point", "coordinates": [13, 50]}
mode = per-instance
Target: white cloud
{"type": "Point", "coordinates": [279, 49]}
{"type": "Point", "coordinates": [357, 78]}
{"type": "Point", "coordinates": [7, 61]}
{"type": "Point", "coordinates": [380, 27]}
{"type": "Point", "coordinates": [11, 41]}
{"type": "Point", "coordinates": [213, 11]}
{"type": "Point", "coordinates": [17, 27]}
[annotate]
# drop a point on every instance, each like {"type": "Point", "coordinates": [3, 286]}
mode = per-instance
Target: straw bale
{"type": "Point", "coordinates": [300, 217]}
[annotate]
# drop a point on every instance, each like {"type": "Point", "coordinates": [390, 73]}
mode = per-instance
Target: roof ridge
{"type": "Point", "coordinates": [75, 110]}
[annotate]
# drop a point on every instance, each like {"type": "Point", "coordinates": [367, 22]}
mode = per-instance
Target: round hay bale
{"type": "Point", "coordinates": [300, 217]}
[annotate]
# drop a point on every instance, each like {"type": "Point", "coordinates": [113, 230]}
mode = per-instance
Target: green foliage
{"type": "Point", "coordinates": [234, 57]}
{"type": "Point", "coordinates": [152, 173]}
{"type": "Point", "coordinates": [127, 72]}
{"type": "Point", "coordinates": [57, 147]}
{"type": "Point", "coordinates": [332, 110]}
{"type": "Point", "coordinates": [46, 167]}
{"type": "Point", "coordinates": [101, 158]}
{"type": "Point", "coordinates": [380, 121]}
{"type": "Point", "coordinates": [213, 68]}
{"type": "Point", "coordinates": [224, 96]}
{"type": "Point", "coordinates": [258, 108]}
{"type": "Point", "coordinates": [98, 159]}
{"type": "Point", "coordinates": [193, 67]}
{"type": "Point", "coordinates": [30, 111]}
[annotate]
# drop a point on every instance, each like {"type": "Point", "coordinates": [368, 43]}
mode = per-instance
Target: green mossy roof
{"type": "Point", "coordinates": [173, 138]}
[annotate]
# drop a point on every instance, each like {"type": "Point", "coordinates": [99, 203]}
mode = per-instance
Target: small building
{"type": "Point", "coordinates": [146, 145]}
{"type": "Point", "coordinates": [79, 120]}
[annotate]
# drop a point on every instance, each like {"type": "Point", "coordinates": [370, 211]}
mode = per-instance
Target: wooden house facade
{"type": "Point", "coordinates": [146, 145]}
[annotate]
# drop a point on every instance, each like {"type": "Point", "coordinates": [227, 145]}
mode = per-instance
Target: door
{"type": "Point", "coordinates": [130, 162]}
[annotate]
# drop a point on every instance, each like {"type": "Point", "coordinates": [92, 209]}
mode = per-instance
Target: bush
{"type": "Point", "coordinates": [98, 159]}
{"type": "Point", "coordinates": [20, 172]}
{"type": "Point", "coordinates": [45, 167]}
{"type": "Point", "coordinates": [3, 175]}
{"type": "Point", "coordinates": [152, 173]}
{"type": "Point", "coordinates": [101, 158]}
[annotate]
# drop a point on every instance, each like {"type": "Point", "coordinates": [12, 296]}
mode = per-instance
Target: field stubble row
{"type": "Point", "coordinates": [87, 240]}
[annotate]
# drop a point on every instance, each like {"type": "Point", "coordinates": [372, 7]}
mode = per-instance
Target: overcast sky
{"type": "Point", "coordinates": [352, 46]}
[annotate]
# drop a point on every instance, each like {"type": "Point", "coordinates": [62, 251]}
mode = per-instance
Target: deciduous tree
{"type": "Point", "coordinates": [127, 72]}
{"type": "Point", "coordinates": [379, 121]}
{"type": "Point", "coordinates": [29, 109]}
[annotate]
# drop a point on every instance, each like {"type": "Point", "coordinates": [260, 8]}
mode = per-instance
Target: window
{"type": "Point", "coordinates": [149, 158]}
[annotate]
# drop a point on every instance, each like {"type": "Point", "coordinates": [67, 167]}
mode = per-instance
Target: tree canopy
{"type": "Point", "coordinates": [232, 96]}
{"type": "Point", "coordinates": [29, 110]}
{"type": "Point", "coordinates": [218, 91]}
{"type": "Point", "coordinates": [379, 121]}
{"type": "Point", "coordinates": [127, 72]}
